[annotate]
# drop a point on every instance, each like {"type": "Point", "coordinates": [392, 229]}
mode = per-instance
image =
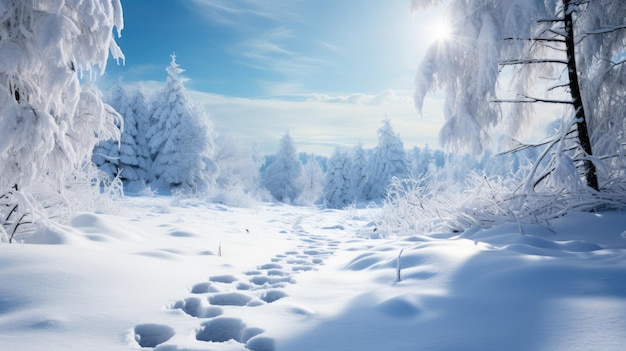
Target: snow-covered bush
{"type": "Point", "coordinates": [87, 189]}
{"type": "Point", "coordinates": [16, 214]}
{"type": "Point", "coordinates": [435, 204]}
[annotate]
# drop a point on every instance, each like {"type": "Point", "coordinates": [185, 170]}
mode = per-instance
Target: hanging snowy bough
{"type": "Point", "coordinates": [49, 123]}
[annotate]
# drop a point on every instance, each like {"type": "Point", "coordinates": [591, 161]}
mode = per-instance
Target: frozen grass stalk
{"type": "Point", "coordinates": [399, 267]}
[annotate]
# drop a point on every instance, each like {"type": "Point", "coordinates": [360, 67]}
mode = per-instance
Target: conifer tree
{"type": "Point", "coordinates": [387, 161]}
{"type": "Point", "coordinates": [338, 188]}
{"type": "Point", "coordinates": [358, 174]}
{"type": "Point", "coordinates": [179, 139]}
{"type": "Point", "coordinates": [282, 178]}
{"type": "Point", "coordinates": [132, 156]}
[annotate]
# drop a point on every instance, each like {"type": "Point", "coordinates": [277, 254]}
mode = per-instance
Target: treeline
{"type": "Point", "coordinates": [168, 145]}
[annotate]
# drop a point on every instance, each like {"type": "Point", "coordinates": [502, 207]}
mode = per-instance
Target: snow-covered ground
{"type": "Point", "coordinates": [175, 275]}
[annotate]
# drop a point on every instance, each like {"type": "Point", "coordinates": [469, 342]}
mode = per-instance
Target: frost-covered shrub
{"type": "Point", "coordinates": [433, 203]}
{"type": "Point", "coordinates": [86, 189]}
{"type": "Point", "coordinates": [16, 214]}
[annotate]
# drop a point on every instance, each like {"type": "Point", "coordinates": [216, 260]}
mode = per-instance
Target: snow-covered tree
{"type": "Point", "coordinates": [312, 181]}
{"type": "Point", "coordinates": [282, 178]}
{"type": "Point", "coordinates": [338, 188]}
{"type": "Point", "coordinates": [578, 45]}
{"type": "Point", "coordinates": [142, 162]}
{"type": "Point", "coordinates": [106, 156]}
{"type": "Point", "coordinates": [179, 139]}
{"type": "Point", "coordinates": [358, 174]}
{"type": "Point", "coordinates": [387, 161]}
{"type": "Point", "coordinates": [49, 122]}
{"type": "Point", "coordinates": [132, 157]}
{"type": "Point", "coordinates": [239, 179]}
{"type": "Point", "coordinates": [421, 159]}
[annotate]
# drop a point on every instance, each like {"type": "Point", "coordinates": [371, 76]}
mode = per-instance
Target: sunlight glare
{"type": "Point", "coordinates": [441, 31]}
{"type": "Point", "coordinates": [433, 27]}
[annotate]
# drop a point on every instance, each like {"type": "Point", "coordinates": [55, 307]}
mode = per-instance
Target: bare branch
{"type": "Point", "coordinates": [564, 85]}
{"type": "Point", "coordinates": [531, 100]}
{"type": "Point", "coordinates": [523, 146]}
{"type": "Point", "coordinates": [550, 20]}
{"type": "Point", "coordinates": [553, 40]}
{"type": "Point", "coordinates": [532, 61]}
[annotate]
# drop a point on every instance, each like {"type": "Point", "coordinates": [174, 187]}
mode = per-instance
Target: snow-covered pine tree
{"type": "Point", "coordinates": [282, 178]}
{"type": "Point", "coordinates": [141, 114]}
{"type": "Point", "coordinates": [179, 138]}
{"type": "Point", "coordinates": [358, 176]}
{"type": "Point", "coordinates": [49, 123]}
{"type": "Point", "coordinates": [420, 160]}
{"type": "Point", "coordinates": [132, 157]}
{"type": "Point", "coordinates": [106, 156]}
{"type": "Point", "coordinates": [387, 161]}
{"type": "Point", "coordinates": [338, 188]}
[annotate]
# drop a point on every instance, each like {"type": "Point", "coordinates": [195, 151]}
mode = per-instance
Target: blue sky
{"type": "Point", "coordinates": [329, 71]}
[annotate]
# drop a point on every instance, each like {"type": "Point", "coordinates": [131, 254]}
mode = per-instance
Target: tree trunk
{"type": "Point", "coordinates": [581, 125]}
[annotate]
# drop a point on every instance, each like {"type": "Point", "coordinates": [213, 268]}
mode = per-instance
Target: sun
{"type": "Point", "coordinates": [434, 27]}
{"type": "Point", "coordinates": [441, 31]}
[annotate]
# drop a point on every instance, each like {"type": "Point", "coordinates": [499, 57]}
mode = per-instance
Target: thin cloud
{"type": "Point", "coordinates": [235, 12]}
{"type": "Point", "coordinates": [319, 126]}
{"type": "Point", "coordinates": [385, 97]}
{"type": "Point", "coordinates": [273, 51]}
{"type": "Point", "coordinates": [268, 46]}
{"type": "Point", "coordinates": [270, 38]}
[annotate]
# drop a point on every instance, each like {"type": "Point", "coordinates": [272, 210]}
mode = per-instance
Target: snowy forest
{"type": "Point", "coordinates": [293, 250]}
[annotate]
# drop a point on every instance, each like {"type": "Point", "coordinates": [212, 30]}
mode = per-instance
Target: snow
{"type": "Point", "coordinates": [305, 278]}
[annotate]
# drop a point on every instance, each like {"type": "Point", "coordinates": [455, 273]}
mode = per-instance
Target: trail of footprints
{"type": "Point", "coordinates": [209, 300]}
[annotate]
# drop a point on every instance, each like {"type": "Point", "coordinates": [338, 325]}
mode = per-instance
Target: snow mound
{"type": "Point", "coordinates": [103, 228]}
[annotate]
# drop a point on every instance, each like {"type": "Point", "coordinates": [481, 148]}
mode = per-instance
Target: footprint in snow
{"type": "Point", "coordinates": [198, 308]}
{"type": "Point", "coordinates": [230, 299]}
{"type": "Point", "coordinates": [203, 288]}
{"type": "Point", "coordinates": [263, 286]}
{"type": "Point", "coordinates": [227, 279]}
{"type": "Point", "coordinates": [152, 335]}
